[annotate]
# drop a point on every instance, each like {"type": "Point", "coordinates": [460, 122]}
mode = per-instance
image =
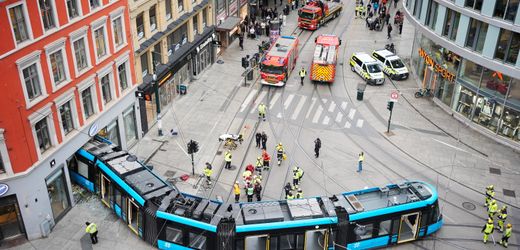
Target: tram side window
{"type": "Point", "coordinates": [173, 235]}
{"type": "Point", "coordinates": [287, 242]}
{"type": "Point", "coordinates": [363, 231]}
{"type": "Point", "coordinates": [385, 227]}
{"type": "Point", "coordinates": [436, 213]}
{"type": "Point", "coordinates": [117, 196]}
{"type": "Point", "coordinates": [197, 241]}
{"type": "Point", "coordinates": [273, 243]}
{"type": "Point", "coordinates": [81, 168]}
{"type": "Point", "coordinates": [396, 223]}
{"type": "Point", "coordinates": [299, 241]}
{"type": "Point", "coordinates": [425, 218]}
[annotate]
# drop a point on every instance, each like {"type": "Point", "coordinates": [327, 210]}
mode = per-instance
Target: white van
{"type": "Point", "coordinates": [393, 66]}
{"type": "Point", "coordinates": [367, 67]}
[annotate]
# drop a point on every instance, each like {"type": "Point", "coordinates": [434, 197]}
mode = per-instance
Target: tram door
{"type": "Point", "coordinates": [257, 242]}
{"type": "Point", "coordinates": [316, 239]}
{"type": "Point", "coordinates": [408, 227]}
{"type": "Point", "coordinates": [133, 216]}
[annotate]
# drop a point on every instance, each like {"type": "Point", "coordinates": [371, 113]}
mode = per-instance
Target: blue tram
{"type": "Point", "coordinates": [158, 213]}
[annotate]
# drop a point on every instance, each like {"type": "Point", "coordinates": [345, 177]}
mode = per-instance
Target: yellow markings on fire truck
{"type": "Point", "coordinates": [323, 72]}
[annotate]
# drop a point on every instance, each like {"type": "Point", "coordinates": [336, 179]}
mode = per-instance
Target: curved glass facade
{"type": "Point", "coordinates": [485, 94]}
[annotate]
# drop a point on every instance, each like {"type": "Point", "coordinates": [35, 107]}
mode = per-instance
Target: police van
{"type": "Point", "coordinates": [367, 67]}
{"type": "Point", "coordinates": [393, 66]}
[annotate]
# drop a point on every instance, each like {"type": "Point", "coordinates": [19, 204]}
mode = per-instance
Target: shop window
{"type": "Point", "coordinates": [476, 35]}
{"type": "Point", "coordinates": [385, 227]}
{"type": "Point", "coordinates": [494, 83]}
{"type": "Point", "coordinates": [466, 102]}
{"type": "Point", "coordinates": [514, 93]}
{"type": "Point", "coordinates": [11, 225]}
{"type": "Point", "coordinates": [487, 113]}
{"type": "Point", "coordinates": [509, 126]}
{"type": "Point", "coordinates": [470, 72]}
{"type": "Point", "coordinates": [130, 125]}
{"type": "Point", "coordinates": [445, 90]}
{"type": "Point", "coordinates": [58, 194]}
{"type": "Point", "coordinates": [174, 235]}
{"type": "Point", "coordinates": [474, 4]}
{"type": "Point", "coordinates": [363, 231]}
{"type": "Point", "coordinates": [197, 241]}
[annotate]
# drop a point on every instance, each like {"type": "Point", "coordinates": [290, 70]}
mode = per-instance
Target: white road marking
{"type": "Point", "coordinates": [332, 106]}
{"type": "Point", "coordinates": [451, 146]}
{"type": "Point", "coordinates": [247, 100]}
{"type": "Point", "coordinates": [288, 101]}
{"type": "Point", "coordinates": [317, 114]}
{"type": "Point", "coordinates": [310, 108]}
{"type": "Point", "coordinates": [359, 123]}
{"type": "Point", "coordinates": [351, 113]}
{"type": "Point", "coordinates": [279, 116]}
{"type": "Point", "coordinates": [324, 100]}
{"type": "Point", "coordinates": [343, 105]}
{"type": "Point", "coordinates": [339, 117]}
{"type": "Point", "coordinates": [347, 124]}
{"type": "Point", "coordinates": [259, 100]}
{"type": "Point", "coordinates": [299, 107]}
{"type": "Point", "coordinates": [326, 120]}
{"type": "Point", "coordinates": [275, 98]}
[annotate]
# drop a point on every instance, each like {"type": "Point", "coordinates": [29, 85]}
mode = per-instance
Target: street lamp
{"type": "Point", "coordinates": [157, 103]}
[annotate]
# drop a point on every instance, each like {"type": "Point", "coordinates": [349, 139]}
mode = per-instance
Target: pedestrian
{"type": "Point", "coordinates": [293, 4]}
{"type": "Point", "coordinates": [267, 159]}
{"type": "Point", "coordinates": [389, 30]}
{"type": "Point", "coordinates": [488, 229]}
{"type": "Point", "coordinates": [262, 28]}
{"type": "Point", "coordinates": [267, 26]}
{"type": "Point", "coordinates": [506, 235]}
{"type": "Point", "coordinates": [361, 158]}
{"type": "Point", "coordinates": [227, 159]}
{"type": "Point", "coordinates": [395, 3]}
{"type": "Point", "coordinates": [387, 19]}
{"type": "Point", "coordinates": [258, 137]}
{"type": "Point", "coordinates": [401, 25]}
{"type": "Point", "coordinates": [369, 7]}
{"type": "Point", "coordinates": [250, 191]}
{"type": "Point", "coordinates": [382, 11]}
{"type": "Point", "coordinates": [252, 32]}
{"type": "Point", "coordinates": [250, 168]}
{"type": "Point", "coordinates": [376, 7]}
{"type": "Point", "coordinates": [241, 41]}
{"type": "Point", "coordinates": [287, 188]}
{"type": "Point", "coordinates": [317, 146]}
{"type": "Point", "coordinates": [303, 73]}
{"type": "Point", "coordinates": [264, 141]}
{"type": "Point", "coordinates": [299, 194]}
{"type": "Point", "coordinates": [296, 177]}
{"type": "Point", "coordinates": [261, 111]}
{"type": "Point", "coordinates": [208, 170]}
{"type": "Point", "coordinates": [258, 191]}
{"type": "Point", "coordinates": [279, 153]}
{"type": "Point", "coordinates": [492, 209]}
{"type": "Point", "coordinates": [259, 165]}
{"type": "Point", "coordinates": [92, 230]}
{"type": "Point", "coordinates": [297, 3]}
{"type": "Point", "coordinates": [502, 216]}
{"type": "Point", "coordinates": [236, 189]}
{"type": "Point", "coordinates": [246, 175]}
{"type": "Point", "coordinates": [490, 193]}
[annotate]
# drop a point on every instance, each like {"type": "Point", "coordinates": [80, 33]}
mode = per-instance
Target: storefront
{"type": "Point", "coordinates": [11, 224]}
{"type": "Point", "coordinates": [202, 57]}
{"type": "Point", "coordinates": [58, 194]}
{"type": "Point", "coordinates": [476, 94]}
{"type": "Point", "coordinates": [228, 30]}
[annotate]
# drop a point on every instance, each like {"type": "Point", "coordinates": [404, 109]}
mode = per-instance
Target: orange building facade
{"type": "Point", "coordinates": [67, 74]}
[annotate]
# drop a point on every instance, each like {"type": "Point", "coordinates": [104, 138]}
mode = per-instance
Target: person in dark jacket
{"type": "Point", "coordinates": [258, 138]}
{"type": "Point", "coordinates": [264, 141]}
{"type": "Point", "coordinates": [389, 30]}
{"type": "Point", "coordinates": [317, 146]}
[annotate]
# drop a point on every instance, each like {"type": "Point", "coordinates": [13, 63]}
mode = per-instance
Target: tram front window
{"type": "Point", "coordinates": [271, 69]}
{"type": "Point", "coordinates": [306, 15]}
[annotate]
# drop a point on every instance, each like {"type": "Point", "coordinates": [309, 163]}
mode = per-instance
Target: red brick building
{"type": "Point", "coordinates": [67, 73]}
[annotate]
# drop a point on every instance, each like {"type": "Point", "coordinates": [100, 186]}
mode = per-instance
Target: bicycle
{"type": "Point", "coordinates": [423, 93]}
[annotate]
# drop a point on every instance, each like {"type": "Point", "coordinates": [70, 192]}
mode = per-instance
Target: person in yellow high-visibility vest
{"type": "Point", "coordinates": [502, 216]}
{"type": "Point", "coordinates": [490, 193]}
{"type": "Point", "coordinates": [92, 230]}
{"type": "Point", "coordinates": [492, 208]}
{"type": "Point", "coordinates": [488, 229]}
{"type": "Point", "coordinates": [208, 170]}
{"type": "Point", "coordinates": [262, 109]}
{"type": "Point", "coordinates": [506, 235]}
{"type": "Point", "coordinates": [227, 159]}
{"type": "Point", "coordinates": [303, 73]}
{"type": "Point", "coordinates": [236, 190]}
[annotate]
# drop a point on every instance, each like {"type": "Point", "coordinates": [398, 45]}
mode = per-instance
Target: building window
{"type": "Point", "coordinates": [99, 38]}
{"type": "Point", "coordinates": [80, 54]}
{"type": "Point", "coordinates": [144, 64]}
{"type": "Point", "coordinates": [476, 35]}
{"type": "Point", "coordinates": [32, 82]}
{"type": "Point", "coordinates": [474, 4]}
{"type": "Point", "coordinates": [417, 9]}
{"type": "Point", "coordinates": [57, 189]}
{"type": "Point", "coordinates": [58, 69]}
{"type": "Point", "coordinates": [94, 4]}
{"type": "Point", "coordinates": [117, 29]}
{"type": "Point", "coordinates": [139, 23]}
{"type": "Point", "coordinates": [153, 18]}
{"type": "Point", "coordinates": [180, 5]}
{"type": "Point", "coordinates": [18, 23]}
{"type": "Point", "coordinates": [47, 14]}
{"type": "Point", "coordinates": [67, 122]}
{"type": "Point", "coordinates": [168, 9]}
{"type": "Point", "coordinates": [88, 102]}
{"type": "Point", "coordinates": [130, 125]}
{"type": "Point", "coordinates": [196, 24]}
{"type": "Point", "coordinates": [105, 89]}
{"type": "Point", "coordinates": [122, 73]}
{"type": "Point", "coordinates": [42, 134]}
{"type": "Point", "coordinates": [156, 54]}
{"type": "Point", "coordinates": [2, 167]}
{"type": "Point", "coordinates": [506, 9]}
{"type": "Point", "coordinates": [431, 16]}
{"type": "Point", "coordinates": [451, 24]}
{"type": "Point", "coordinates": [507, 46]}
{"type": "Point", "coordinates": [73, 8]}
{"type": "Point", "coordinates": [204, 18]}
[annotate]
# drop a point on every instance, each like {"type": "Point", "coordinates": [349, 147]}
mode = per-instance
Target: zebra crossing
{"type": "Point", "coordinates": [320, 112]}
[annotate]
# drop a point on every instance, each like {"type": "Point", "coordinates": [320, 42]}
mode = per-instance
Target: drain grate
{"type": "Point", "coordinates": [220, 61]}
{"type": "Point", "coordinates": [170, 173]}
{"type": "Point", "coordinates": [510, 193]}
{"type": "Point", "coordinates": [495, 171]}
{"type": "Point", "coordinates": [469, 206]}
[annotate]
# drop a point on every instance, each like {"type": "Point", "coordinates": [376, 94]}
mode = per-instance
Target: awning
{"type": "Point", "coordinates": [228, 24]}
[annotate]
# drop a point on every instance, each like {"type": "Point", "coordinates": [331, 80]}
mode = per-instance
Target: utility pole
{"type": "Point", "coordinates": [389, 106]}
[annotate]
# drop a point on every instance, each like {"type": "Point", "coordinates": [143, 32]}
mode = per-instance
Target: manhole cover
{"type": "Point", "coordinates": [169, 173]}
{"type": "Point", "coordinates": [469, 206]}
{"type": "Point", "coordinates": [220, 61]}
{"type": "Point", "coordinates": [510, 193]}
{"type": "Point", "coordinates": [495, 171]}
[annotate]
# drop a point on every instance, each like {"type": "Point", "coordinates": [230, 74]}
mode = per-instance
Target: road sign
{"type": "Point", "coordinates": [394, 96]}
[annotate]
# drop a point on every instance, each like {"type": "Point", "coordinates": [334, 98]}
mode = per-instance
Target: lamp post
{"type": "Point", "coordinates": [157, 103]}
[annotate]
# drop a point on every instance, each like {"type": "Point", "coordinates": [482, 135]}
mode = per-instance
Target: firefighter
{"type": "Point", "coordinates": [247, 176]}
{"type": "Point", "coordinates": [506, 235]}
{"type": "Point", "coordinates": [250, 191]}
{"type": "Point", "coordinates": [300, 174]}
{"type": "Point", "coordinates": [208, 170]}
{"type": "Point", "coordinates": [236, 189]}
{"type": "Point", "coordinates": [250, 168]}
{"type": "Point", "coordinates": [490, 193]}
{"type": "Point", "coordinates": [299, 195]}
{"type": "Point", "coordinates": [261, 111]}
{"type": "Point", "coordinates": [492, 209]}
{"type": "Point", "coordinates": [258, 191]}
{"type": "Point", "coordinates": [92, 230]}
{"type": "Point", "coordinates": [502, 216]}
{"type": "Point", "coordinates": [302, 73]}
{"type": "Point", "coordinates": [259, 165]}
{"type": "Point", "coordinates": [257, 179]}
{"type": "Point", "coordinates": [266, 159]}
{"type": "Point", "coordinates": [290, 196]}
{"type": "Point", "coordinates": [227, 159]}
{"type": "Point", "coordinates": [296, 177]}
{"type": "Point", "coordinates": [488, 229]}
{"type": "Point", "coordinates": [279, 153]}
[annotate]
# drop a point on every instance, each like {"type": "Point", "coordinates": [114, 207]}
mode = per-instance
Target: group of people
{"type": "Point", "coordinates": [501, 216]}
{"type": "Point", "coordinates": [377, 14]}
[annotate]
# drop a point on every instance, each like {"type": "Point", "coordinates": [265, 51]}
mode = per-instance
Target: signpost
{"type": "Point", "coordinates": [390, 106]}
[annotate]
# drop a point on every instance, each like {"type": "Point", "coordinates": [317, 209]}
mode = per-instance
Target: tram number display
{"type": "Point", "coordinates": [437, 67]}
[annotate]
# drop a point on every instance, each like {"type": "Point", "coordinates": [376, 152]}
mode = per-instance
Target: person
{"type": "Point", "coordinates": [401, 25]}
{"type": "Point", "coordinates": [246, 175]}
{"type": "Point", "coordinates": [299, 195]}
{"type": "Point", "coordinates": [293, 4]}
{"type": "Point", "coordinates": [303, 73]}
{"type": "Point", "coordinates": [266, 159]}
{"type": "Point", "coordinates": [376, 7]}
{"type": "Point", "coordinates": [208, 170]}
{"type": "Point", "coordinates": [262, 28]}
{"type": "Point", "coordinates": [387, 19]}
{"type": "Point", "coordinates": [279, 153]}
{"type": "Point", "coordinates": [290, 196]}
{"type": "Point", "coordinates": [506, 235]}
{"type": "Point", "coordinates": [261, 110]}
{"type": "Point", "coordinates": [259, 165]}
{"type": "Point", "coordinates": [502, 216]}
{"type": "Point", "coordinates": [241, 41]}
{"type": "Point", "coordinates": [257, 179]}
{"type": "Point", "coordinates": [250, 168]}
{"type": "Point", "coordinates": [395, 3]}
{"type": "Point", "coordinates": [227, 159]}
{"type": "Point", "coordinates": [361, 158]}
{"type": "Point", "coordinates": [492, 208]}
{"type": "Point", "coordinates": [250, 191]}
{"type": "Point", "coordinates": [92, 230]}
{"type": "Point", "coordinates": [317, 146]}
{"type": "Point", "coordinates": [252, 33]}
{"type": "Point", "coordinates": [488, 229]}
{"type": "Point", "coordinates": [264, 141]}
{"type": "Point", "coordinates": [258, 137]}
{"type": "Point", "coordinates": [369, 7]}
{"type": "Point", "coordinates": [300, 174]}
{"type": "Point", "coordinates": [296, 177]}
{"type": "Point", "coordinates": [258, 191]}
{"type": "Point", "coordinates": [389, 30]}
{"type": "Point", "coordinates": [236, 189]}
{"type": "Point", "coordinates": [287, 188]}
{"type": "Point", "coordinates": [490, 193]}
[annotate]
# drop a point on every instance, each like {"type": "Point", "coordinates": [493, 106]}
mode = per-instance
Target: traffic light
{"type": "Point", "coordinates": [193, 147]}
{"type": "Point", "coordinates": [390, 105]}
{"type": "Point", "coordinates": [245, 62]}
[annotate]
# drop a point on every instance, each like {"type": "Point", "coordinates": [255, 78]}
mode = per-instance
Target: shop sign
{"type": "Point", "coordinates": [437, 67]}
{"type": "Point", "coordinates": [93, 130]}
{"type": "Point", "coordinates": [202, 45]}
{"type": "Point", "coordinates": [3, 189]}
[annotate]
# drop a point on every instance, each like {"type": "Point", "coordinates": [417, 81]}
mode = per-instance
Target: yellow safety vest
{"type": "Point", "coordinates": [279, 148]}
{"type": "Point", "coordinates": [303, 73]}
{"type": "Point", "coordinates": [290, 197]}
{"type": "Point", "coordinates": [489, 228]}
{"type": "Point", "coordinates": [261, 108]}
{"type": "Point", "coordinates": [361, 158]}
{"type": "Point", "coordinates": [227, 157]}
{"type": "Point", "coordinates": [236, 188]}
{"type": "Point", "coordinates": [296, 176]}
{"type": "Point", "coordinates": [490, 193]}
{"type": "Point", "coordinates": [259, 163]}
{"type": "Point", "coordinates": [299, 195]}
{"type": "Point", "coordinates": [92, 228]}
{"type": "Point", "coordinates": [507, 232]}
{"type": "Point", "coordinates": [493, 208]}
{"type": "Point", "coordinates": [208, 172]}
{"type": "Point", "coordinates": [300, 173]}
{"type": "Point", "coordinates": [502, 216]}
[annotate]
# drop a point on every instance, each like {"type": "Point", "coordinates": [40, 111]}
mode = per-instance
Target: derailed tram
{"type": "Point", "coordinates": [158, 213]}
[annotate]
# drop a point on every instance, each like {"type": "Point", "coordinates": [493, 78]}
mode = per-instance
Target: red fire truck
{"type": "Point", "coordinates": [323, 68]}
{"type": "Point", "coordinates": [315, 13]}
{"type": "Point", "coordinates": [279, 61]}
